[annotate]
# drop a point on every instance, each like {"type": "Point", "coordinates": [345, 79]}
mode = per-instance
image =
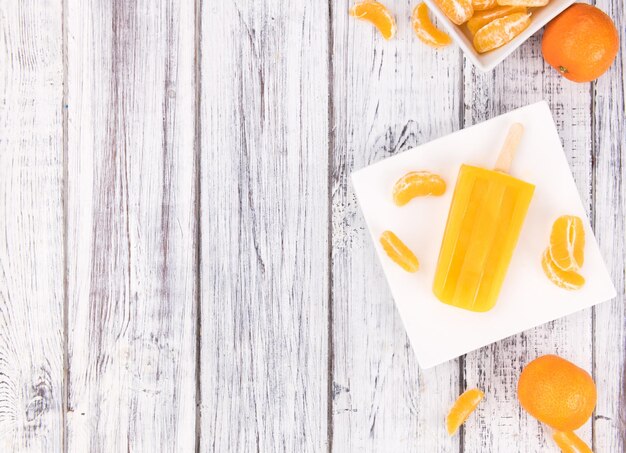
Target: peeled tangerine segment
{"type": "Point", "coordinates": [500, 31]}
{"type": "Point", "coordinates": [528, 3]}
{"type": "Point", "coordinates": [480, 5]}
{"type": "Point", "coordinates": [458, 11]}
{"type": "Point", "coordinates": [570, 280]}
{"type": "Point", "coordinates": [569, 442]}
{"type": "Point", "coordinates": [378, 15]}
{"type": "Point", "coordinates": [482, 18]}
{"type": "Point", "coordinates": [425, 30]}
{"type": "Point", "coordinates": [462, 408]}
{"type": "Point", "coordinates": [417, 184]}
{"type": "Point", "coordinates": [398, 252]}
{"type": "Point", "coordinates": [567, 243]}
{"type": "Point", "coordinates": [486, 216]}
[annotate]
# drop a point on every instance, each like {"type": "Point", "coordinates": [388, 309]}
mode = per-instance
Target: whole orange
{"type": "Point", "coordinates": [580, 43]}
{"type": "Point", "coordinates": [557, 392]}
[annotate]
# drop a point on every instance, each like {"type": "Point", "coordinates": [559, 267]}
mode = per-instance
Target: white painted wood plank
{"type": "Point", "coordinates": [131, 226]}
{"type": "Point", "coordinates": [387, 98]}
{"type": "Point", "coordinates": [609, 145]}
{"type": "Point", "coordinates": [264, 308]}
{"type": "Point", "coordinates": [500, 422]}
{"type": "Point", "coordinates": [31, 226]}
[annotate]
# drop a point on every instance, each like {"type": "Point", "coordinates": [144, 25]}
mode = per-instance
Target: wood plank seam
{"type": "Point", "coordinates": [65, 113]}
{"type": "Point", "coordinates": [609, 215]}
{"type": "Point", "coordinates": [198, 7]}
{"type": "Point", "coordinates": [329, 215]}
{"type": "Point", "coordinates": [462, 383]}
{"type": "Point", "coordinates": [592, 220]}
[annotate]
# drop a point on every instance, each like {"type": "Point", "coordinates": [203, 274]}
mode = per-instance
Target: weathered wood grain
{"type": "Point", "coordinates": [264, 310]}
{"type": "Point", "coordinates": [31, 227]}
{"type": "Point", "coordinates": [131, 226]}
{"type": "Point", "coordinates": [609, 209]}
{"type": "Point", "coordinates": [500, 422]}
{"type": "Point", "coordinates": [387, 98]}
{"type": "Point", "coordinates": [301, 346]}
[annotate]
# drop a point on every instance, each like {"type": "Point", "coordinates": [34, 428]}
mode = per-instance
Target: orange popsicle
{"type": "Point", "coordinates": [484, 223]}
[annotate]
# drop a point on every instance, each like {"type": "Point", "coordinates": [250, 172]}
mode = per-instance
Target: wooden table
{"type": "Point", "coordinates": [183, 264]}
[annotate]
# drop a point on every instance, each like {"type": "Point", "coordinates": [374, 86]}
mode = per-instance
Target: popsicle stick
{"type": "Point", "coordinates": [507, 153]}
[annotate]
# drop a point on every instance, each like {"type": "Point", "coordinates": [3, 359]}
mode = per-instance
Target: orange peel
{"type": "Point", "coordinates": [557, 392]}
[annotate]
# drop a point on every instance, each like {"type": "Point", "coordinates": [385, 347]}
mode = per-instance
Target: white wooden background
{"type": "Point", "coordinates": [183, 266]}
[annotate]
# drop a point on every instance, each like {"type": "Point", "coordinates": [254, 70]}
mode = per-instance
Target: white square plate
{"type": "Point", "coordinates": [487, 61]}
{"type": "Point", "coordinates": [439, 332]}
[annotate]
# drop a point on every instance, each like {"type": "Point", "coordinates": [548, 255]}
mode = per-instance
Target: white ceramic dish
{"type": "Point", "coordinates": [487, 61]}
{"type": "Point", "coordinates": [440, 332]}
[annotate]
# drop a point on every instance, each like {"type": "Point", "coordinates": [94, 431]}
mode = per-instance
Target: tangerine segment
{"type": "Point", "coordinates": [377, 14]}
{"type": "Point", "coordinates": [462, 408]}
{"type": "Point", "coordinates": [500, 31]}
{"type": "Point", "coordinates": [570, 280]}
{"type": "Point", "coordinates": [482, 18]}
{"type": "Point", "coordinates": [569, 442]}
{"type": "Point", "coordinates": [399, 252]}
{"type": "Point", "coordinates": [425, 30]}
{"type": "Point", "coordinates": [557, 392]}
{"type": "Point", "coordinates": [481, 5]}
{"type": "Point", "coordinates": [567, 243]}
{"type": "Point", "coordinates": [529, 3]}
{"type": "Point", "coordinates": [417, 184]}
{"type": "Point", "coordinates": [458, 11]}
